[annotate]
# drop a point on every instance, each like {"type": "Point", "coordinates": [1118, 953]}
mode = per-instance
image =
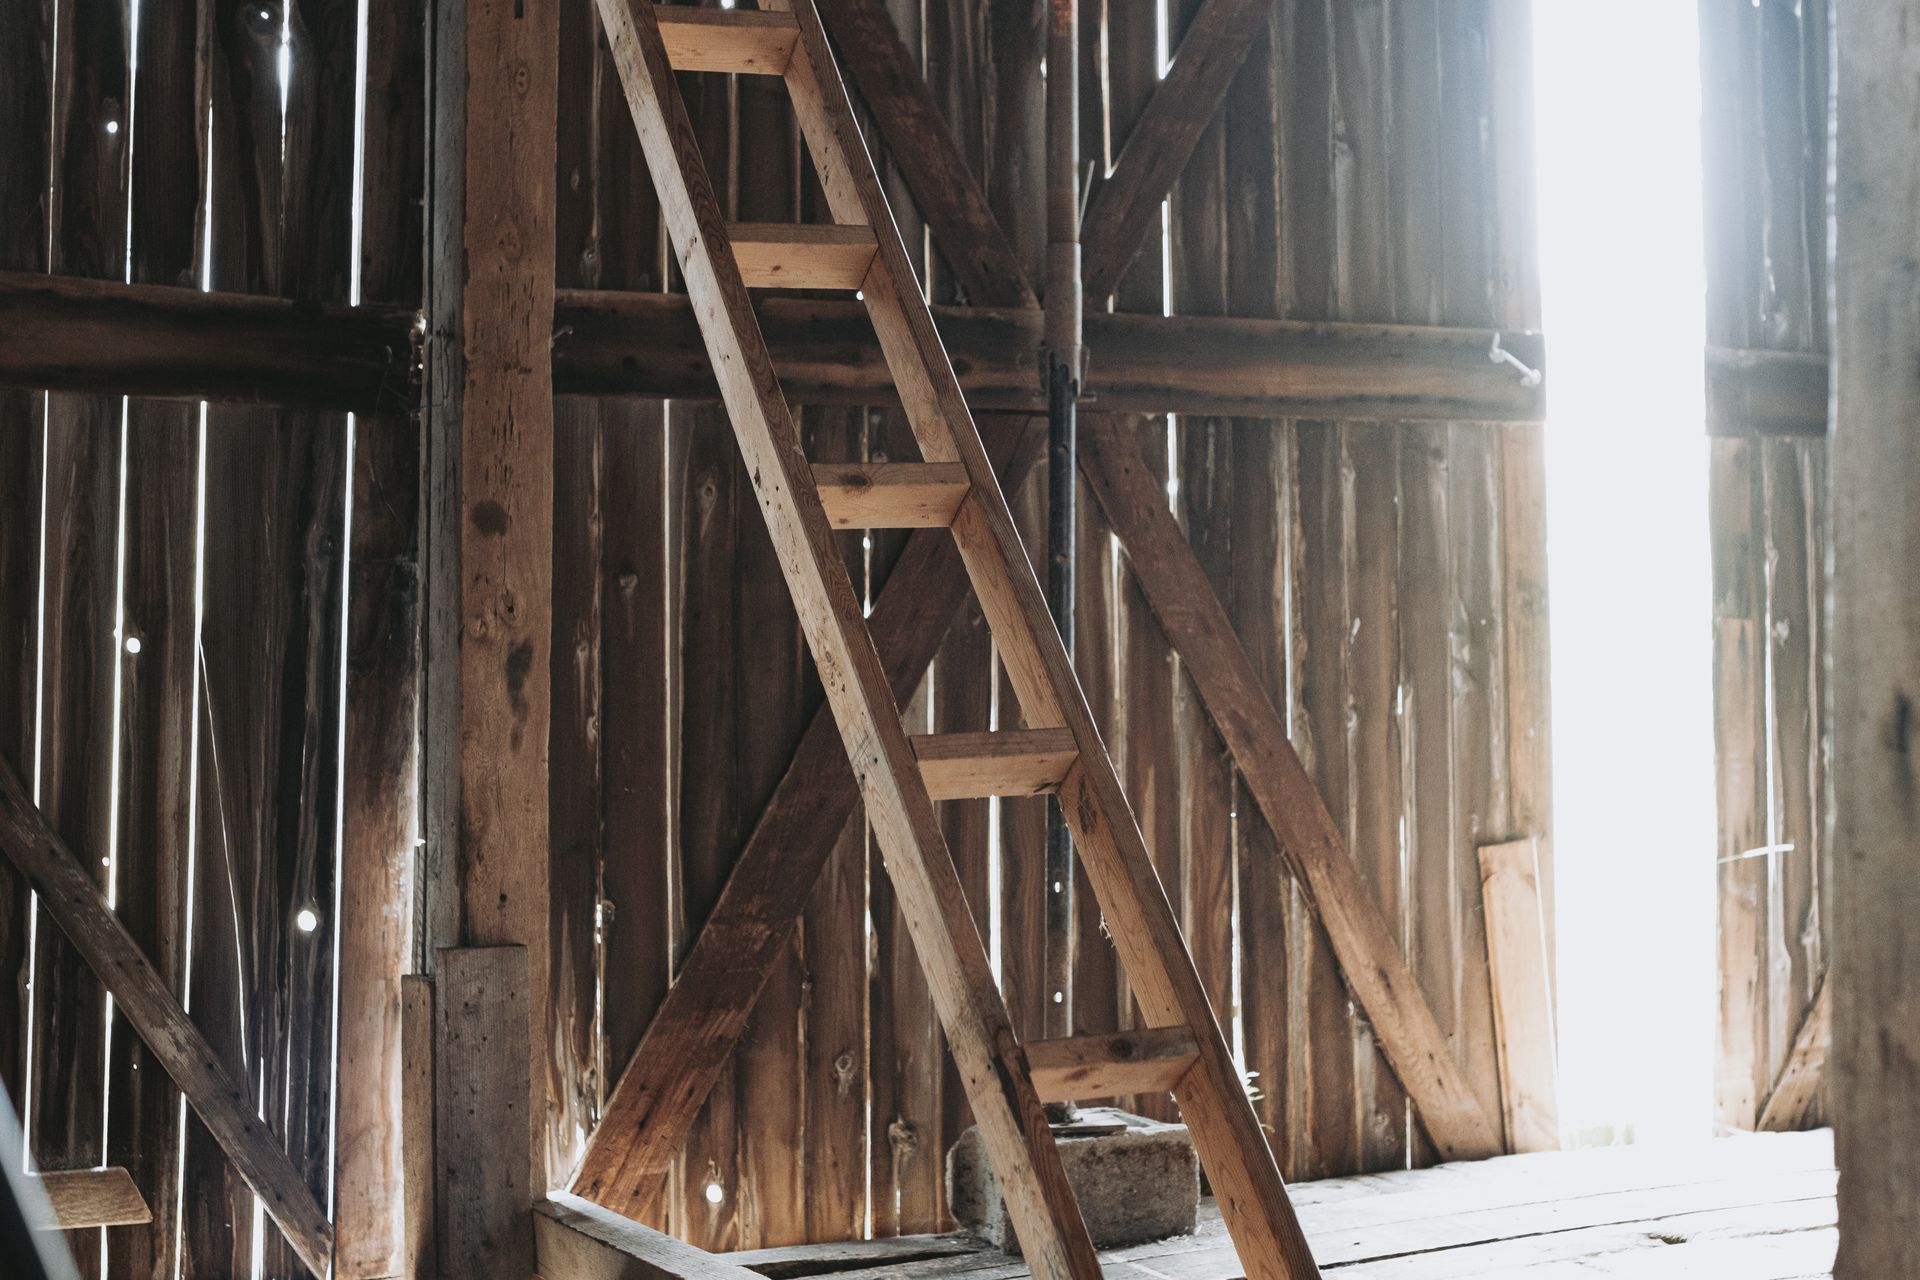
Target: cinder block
{"type": "Point", "coordinates": [1137, 1180]}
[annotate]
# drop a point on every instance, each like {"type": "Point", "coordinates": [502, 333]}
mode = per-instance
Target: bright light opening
{"type": "Point", "coordinates": [1629, 575]}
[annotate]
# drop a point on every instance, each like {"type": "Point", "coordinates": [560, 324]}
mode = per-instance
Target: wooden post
{"type": "Point", "coordinates": [1876, 637]}
{"type": "Point", "coordinates": [482, 1055]}
{"type": "Point", "coordinates": [489, 493]}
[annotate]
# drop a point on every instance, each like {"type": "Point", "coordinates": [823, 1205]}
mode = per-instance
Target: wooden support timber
{"type": "Point", "coordinates": [1370, 958]}
{"type": "Point", "coordinates": [1797, 1089]}
{"type": "Point", "coordinates": [576, 1239]}
{"type": "Point", "coordinates": [1522, 994]}
{"type": "Point", "coordinates": [1127, 204]}
{"type": "Point", "coordinates": [70, 896]}
{"type": "Point", "coordinates": [151, 340]}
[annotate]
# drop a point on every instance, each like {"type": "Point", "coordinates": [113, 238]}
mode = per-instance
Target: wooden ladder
{"type": "Point", "coordinates": [901, 776]}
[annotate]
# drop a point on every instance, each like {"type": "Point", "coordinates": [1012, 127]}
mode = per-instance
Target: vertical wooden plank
{"type": "Point", "coordinates": [1522, 994]}
{"type": "Point", "coordinates": [490, 496]}
{"type": "Point", "coordinates": [65, 1108]}
{"type": "Point", "coordinates": [481, 1018]}
{"type": "Point", "coordinates": [373, 1236]}
{"type": "Point", "coordinates": [1876, 402]}
{"type": "Point", "coordinates": [416, 1126]}
{"type": "Point", "coordinates": [25, 71]}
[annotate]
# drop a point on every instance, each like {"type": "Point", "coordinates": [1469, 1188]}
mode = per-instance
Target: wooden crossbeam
{"type": "Point", "coordinates": [82, 1198]}
{"type": "Point", "coordinates": [156, 341]}
{"type": "Point", "coordinates": [1161, 142]}
{"type": "Point", "coordinates": [70, 896]}
{"type": "Point", "coordinates": [1176, 588]}
{"type": "Point", "coordinates": [886, 74]}
{"type": "Point", "coordinates": [1797, 1088]}
{"type": "Point", "coordinates": [1149, 1060]}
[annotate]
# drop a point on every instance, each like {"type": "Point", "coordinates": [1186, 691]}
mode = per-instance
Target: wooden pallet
{"type": "Point", "coordinates": [900, 777]}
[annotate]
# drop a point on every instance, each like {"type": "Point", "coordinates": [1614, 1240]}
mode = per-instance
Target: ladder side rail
{"type": "Point", "coordinates": [1212, 1096]}
{"type": "Point", "coordinates": [989, 1057]}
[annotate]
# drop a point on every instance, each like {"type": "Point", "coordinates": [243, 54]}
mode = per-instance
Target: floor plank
{"type": "Point", "coordinates": [1760, 1207]}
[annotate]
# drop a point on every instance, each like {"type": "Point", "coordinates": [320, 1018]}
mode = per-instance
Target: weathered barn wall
{"type": "Point", "coordinates": [1765, 96]}
{"type": "Point", "coordinates": [1373, 163]}
{"type": "Point", "coordinates": [172, 581]}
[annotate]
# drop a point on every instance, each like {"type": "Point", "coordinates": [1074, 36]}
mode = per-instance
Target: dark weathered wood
{"type": "Point", "coordinates": [1370, 958]}
{"type": "Point", "coordinates": [489, 489]}
{"type": "Point", "coordinates": [149, 340]}
{"type": "Point", "coordinates": [612, 344]}
{"type": "Point", "coordinates": [74, 902]}
{"type": "Point", "coordinates": [660, 1090]}
{"type": "Point", "coordinates": [887, 76]}
{"type": "Point", "coordinates": [481, 1057]}
{"type": "Point", "coordinates": [1766, 393]}
{"type": "Point", "coordinates": [1876, 636]}
{"type": "Point", "coordinates": [1163, 138]}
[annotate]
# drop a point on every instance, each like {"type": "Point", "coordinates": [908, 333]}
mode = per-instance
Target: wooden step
{"type": "Point", "coordinates": [890, 495]}
{"type": "Point", "coordinates": [747, 41]}
{"type": "Point", "coordinates": [1015, 762]}
{"type": "Point", "coordinates": [1150, 1060]}
{"type": "Point", "coordinates": [791, 255]}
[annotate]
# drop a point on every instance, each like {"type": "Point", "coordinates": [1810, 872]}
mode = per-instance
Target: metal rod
{"type": "Point", "coordinates": [1061, 375]}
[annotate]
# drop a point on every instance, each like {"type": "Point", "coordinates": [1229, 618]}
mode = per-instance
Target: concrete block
{"type": "Point", "coordinates": [1137, 1180]}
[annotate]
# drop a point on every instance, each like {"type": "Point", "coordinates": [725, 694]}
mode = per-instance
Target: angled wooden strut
{"type": "Point", "coordinates": [992, 1063]}
{"type": "Point", "coordinates": [72, 898]}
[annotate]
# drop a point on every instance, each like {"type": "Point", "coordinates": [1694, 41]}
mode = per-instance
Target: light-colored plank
{"type": "Point", "coordinates": [575, 1239]}
{"type": "Point", "coordinates": [481, 1030]}
{"type": "Point", "coordinates": [1875, 616]}
{"type": "Point", "coordinates": [93, 1198]}
{"type": "Point", "coordinates": [1370, 958]}
{"type": "Point", "coordinates": [1804, 1073]}
{"type": "Point", "coordinates": [1012, 762]}
{"type": "Point", "coordinates": [890, 495]}
{"type": "Point", "coordinates": [905, 825]}
{"type": "Point", "coordinates": [778, 255]}
{"type": "Point", "coordinates": [745, 41]}
{"type": "Point", "coordinates": [69, 895]}
{"type": "Point", "coordinates": [1212, 1096]}
{"type": "Point", "coordinates": [1522, 994]}
{"type": "Point", "coordinates": [1150, 1060]}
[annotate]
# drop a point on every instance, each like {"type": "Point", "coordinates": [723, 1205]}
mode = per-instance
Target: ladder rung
{"type": "Point", "coordinates": [890, 495]}
{"type": "Point", "coordinates": [1151, 1060]}
{"type": "Point", "coordinates": [748, 41]}
{"type": "Point", "coordinates": [791, 255]}
{"type": "Point", "coordinates": [970, 766]}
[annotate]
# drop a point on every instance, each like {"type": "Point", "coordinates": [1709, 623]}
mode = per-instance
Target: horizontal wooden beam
{"type": "Point", "coordinates": [890, 495]}
{"type": "Point", "coordinates": [575, 1239]}
{"type": "Point", "coordinates": [68, 894]}
{"type": "Point", "coordinates": [1009, 762]}
{"type": "Point", "coordinates": [1149, 1060]}
{"type": "Point", "coordinates": [83, 1198]}
{"type": "Point", "coordinates": [152, 340]}
{"type": "Point", "coordinates": [1766, 393]}
{"type": "Point", "coordinates": [149, 340]}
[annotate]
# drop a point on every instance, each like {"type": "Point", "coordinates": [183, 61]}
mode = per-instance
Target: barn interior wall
{"type": "Point", "coordinates": [1372, 162]}
{"type": "Point", "coordinates": [1765, 89]}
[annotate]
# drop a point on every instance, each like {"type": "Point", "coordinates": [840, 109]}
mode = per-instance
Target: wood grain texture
{"type": "Point", "coordinates": [744, 41]}
{"type": "Point", "coordinates": [1370, 958]}
{"type": "Point", "coordinates": [1148, 1061]}
{"type": "Point", "coordinates": [481, 1024]}
{"type": "Point", "coordinates": [489, 488]}
{"type": "Point", "coordinates": [1798, 1089]}
{"type": "Point", "coordinates": [83, 1198]}
{"type": "Point", "coordinates": [576, 1239]}
{"type": "Point", "coordinates": [1876, 637]}
{"type": "Point", "coordinates": [1522, 995]}
{"type": "Point", "coordinates": [74, 902]}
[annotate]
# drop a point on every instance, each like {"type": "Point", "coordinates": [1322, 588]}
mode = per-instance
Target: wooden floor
{"type": "Point", "coordinates": [1748, 1208]}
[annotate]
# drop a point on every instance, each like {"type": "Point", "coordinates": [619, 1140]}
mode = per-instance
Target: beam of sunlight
{"type": "Point", "coordinates": [1621, 260]}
